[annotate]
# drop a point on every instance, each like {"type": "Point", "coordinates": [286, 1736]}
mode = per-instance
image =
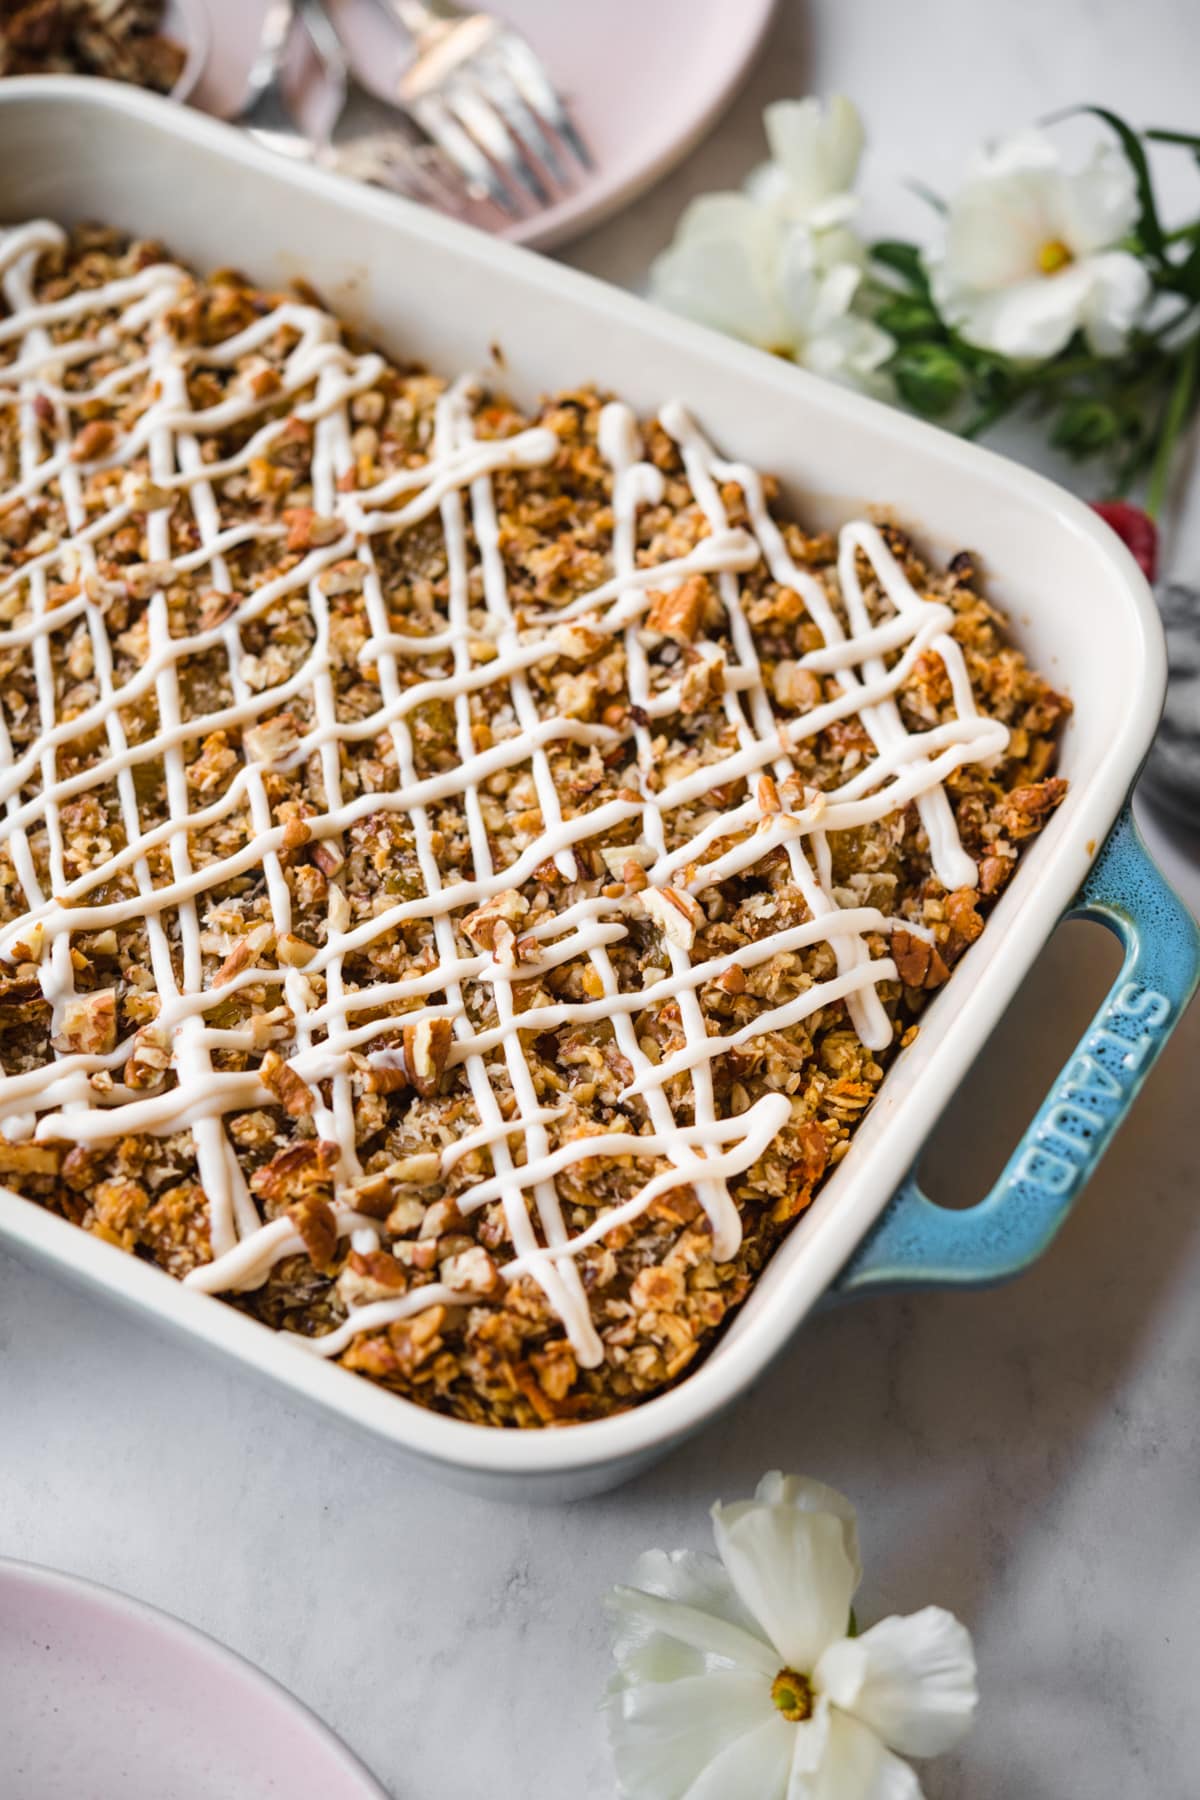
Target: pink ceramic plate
{"type": "Point", "coordinates": [643, 81]}
{"type": "Point", "coordinates": [105, 1696]}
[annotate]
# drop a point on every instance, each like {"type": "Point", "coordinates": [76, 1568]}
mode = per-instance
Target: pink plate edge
{"type": "Point", "coordinates": [599, 201]}
{"type": "Point", "coordinates": [239, 1668]}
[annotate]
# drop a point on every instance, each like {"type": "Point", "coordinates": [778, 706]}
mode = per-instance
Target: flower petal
{"type": "Point", "coordinates": [642, 1618]}
{"type": "Point", "coordinates": [723, 216]}
{"type": "Point", "coordinates": [819, 149]}
{"type": "Point", "coordinates": [1028, 321]}
{"type": "Point", "coordinates": [1120, 288]}
{"type": "Point", "coordinates": [665, 1734]}
{"type": "Point", "coordinates": [856, 1766]}
{"type": "Point", "coordinates": [753, 1767]}
{"type": "Point", "coordinates": [693, 1577]}
{"type": "Point", "coordinates": [911, 1680]}
{"type": "Point", "coordinates": [792, 1571]}
{"type": "Point", "coordinates": [720, 270]}
{"type": "Point", "coordinates": [777, 1489]}
{"type": "Point", "coordinates": [1100, 204]}
{"type": "Point", "coordinates": [1009, 206]}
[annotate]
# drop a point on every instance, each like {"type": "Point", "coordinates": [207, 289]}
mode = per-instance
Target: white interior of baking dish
{"type": "Point", "coordinates": [431, 291]}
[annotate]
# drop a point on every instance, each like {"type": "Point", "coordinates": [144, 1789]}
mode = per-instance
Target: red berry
{"type": "Point", "coordinates": [1136, 530]}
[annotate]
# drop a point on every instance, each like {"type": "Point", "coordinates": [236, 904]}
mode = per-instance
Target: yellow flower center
{"type": "Point", "coordinates": [793, 1695]}
{"type": "Point", "coordinates": [1053, 256]}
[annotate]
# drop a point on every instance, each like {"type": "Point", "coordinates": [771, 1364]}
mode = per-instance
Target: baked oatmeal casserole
{"type": "Point", "coordinates": [465, 872]}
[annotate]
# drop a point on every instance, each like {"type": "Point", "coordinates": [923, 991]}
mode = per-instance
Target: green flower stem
{"type": "Point", "coordinates": [1178, 408]}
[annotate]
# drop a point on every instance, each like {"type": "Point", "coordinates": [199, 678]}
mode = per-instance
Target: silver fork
{"type": "Point", "coordinates": [485, 99]}
{"type": "Point", "coordinates": [389, 159]}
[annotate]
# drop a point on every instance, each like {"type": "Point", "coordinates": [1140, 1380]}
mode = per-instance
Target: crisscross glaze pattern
{"type": "Point", "coordinates": [222, 740]}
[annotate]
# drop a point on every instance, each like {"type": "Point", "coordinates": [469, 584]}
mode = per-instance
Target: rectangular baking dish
{"type": "Point", "coordinates": [431, 290]}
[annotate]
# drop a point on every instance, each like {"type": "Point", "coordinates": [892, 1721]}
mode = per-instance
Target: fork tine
{"type": "Point", "coordinates": [523, 122]}
{"type": "Point", "coordinates": [530, 77]}
{"type": "Point", "coordinates": [487, 126]}
{"type": "Point", "coordinates": [462, 150]}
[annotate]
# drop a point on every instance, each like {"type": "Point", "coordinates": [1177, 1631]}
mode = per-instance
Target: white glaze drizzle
{"type": "Point", "coordinates": [699, 1148]}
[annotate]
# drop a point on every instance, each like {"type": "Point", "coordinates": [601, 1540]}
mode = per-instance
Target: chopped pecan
{"type": "Point", "coordinates": [676, 914]}
{"type": "Point", "coordinates": [556, 1368]}
{"type": "Point", "coordinates": [918, 961]}
{"type": "Point", "coordinates": [215, 761]}
{"type": "Point", "coordinates": [120, 1206]}
{"type": "Point", "coordinates": [314, 1220]}
{"type": "Point", "coordinates": [271, 739]}
{"type": "Point", "coordinates": [307, 530]}
{"type": "Point", "coordinates": [703, 683]}
{"type": "Point", "coordinates": [28, 948]}
{"type": "Point", "coordinates": [440, 1217]}
{"type": "Point", "coordinates": [327, 856]}
{"type": "Point", "coordinates": [811, 1161]}
{"type": "Point", "coordinates": [371, 1195]}
{"type": "Point", "coordinates": [426, 1047]}
{"type": "Point", "coordinates": [150, 1057]}
{"type": "Point", "coordinates": [300, 1166]}
{"type": "Point", "coordinates": [144, 495]}
{"type": "Point", "coordinates": [79, 1167]}
{"type": "Point", "coordinates": [578, 642]}
{"type": "Point", "coordinates": [796, 686]}
{"type": "Point", "coordinates": [472, 1272]}
{"type": "Point", "coordinates": [295, 952]}
{"type": "Point", "coordinates": [994, 871]}
{"type": "Point", "coordinates": [385, 1078]}
{"type": "Point", "coordinates": [89, 1024]}
{"type": "Point", "coordinates": [963, 915]}
{"type": "Point", "coordinates": [679, 612]}
{"type": "Point", "coordinates": [507, 908]}
{"type": "Point", "coordinates": [29, 1159]}
{"type": "Point", "coordinates": [291, 1091]}
{"type": "Point", "coordinates": [422, 1169]}
{"type": "Point", "coordinates": [371, 1275]}
{"type": "Point", "coordinates": [657, 1290]}
{"type": "Point", "coordinates": [216, 607]}
{"type": "Point", "coordinates": [239, 958]}
{"type": "Point", "coordinates": [1026, 809]}
{"type": "Point", "coordinates": [399, 1351]}
{"type": "Point", "coordinates": [93, 440]}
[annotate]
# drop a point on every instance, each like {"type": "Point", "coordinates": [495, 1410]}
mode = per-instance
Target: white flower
{"type": "Point", "coordinates": [736, 1679]}
{"type": "Point", "coordinates": [815, 153]}
{"type": "Point", "coordinates": [1029, 254]}
{"type": "Point", "coordinates": [742, 268]}
{"type": "Point", "coordinates": [776, 265]}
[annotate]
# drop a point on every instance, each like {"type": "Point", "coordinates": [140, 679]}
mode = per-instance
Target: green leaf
{"type": "Point", "coordinates": [1187, 274]}
{"type": "Point", "coordinates": [1174, 137]}
{"type": "Point", "coordinates": [1177, 412]}
{"type": "Point", "coordinates": [906, 319]}
{"type": "Point", "coordinates": [927, 194]}
{"type": "Point", "coordinates": [1084, 426]}
{"type": "Point", "coordinates": [1149, 226]}
{"type": "Point", "coordinates": [903, 260]}
{"type": "Point", "coordinates": [929, 378]}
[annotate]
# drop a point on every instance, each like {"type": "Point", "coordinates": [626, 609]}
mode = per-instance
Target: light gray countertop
{"type": "Point", "coordinates": [1028, 1457]}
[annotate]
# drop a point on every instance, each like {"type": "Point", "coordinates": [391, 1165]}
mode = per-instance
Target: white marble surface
{"type": "Point", "coordinates": [1028, 1457]}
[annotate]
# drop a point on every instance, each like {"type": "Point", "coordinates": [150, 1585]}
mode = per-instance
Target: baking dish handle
{"type": "Point", "coordinates": [918, 1243]}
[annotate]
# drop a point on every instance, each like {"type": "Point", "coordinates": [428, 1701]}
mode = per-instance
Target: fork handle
{"type": "Point", "coordinates": [264, 70]}
{"type": "Point", "coordinates": [324, 39]}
